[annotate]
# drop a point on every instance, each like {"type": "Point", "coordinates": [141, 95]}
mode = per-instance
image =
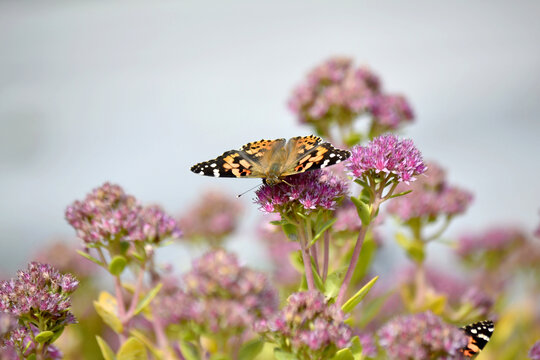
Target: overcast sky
{"type": "Point", "coordinates": [135, 92]}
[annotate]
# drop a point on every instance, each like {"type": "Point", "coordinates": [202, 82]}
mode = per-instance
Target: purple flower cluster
{"type": "Point", "coordinates": [338, 89]}
{"type": "Point", "coordinates": [388, 155]}
{"type": "Point", "coordinates": [307, 192]}
{"type": "Point", "coordinates": [212, 218]}
{"type": "Point", "coordinates": [502, 240]}
{"type": "Point", "coordinates": [431, 197]}
{"type": "Point", "coordinates": [310, 324]}
{"type": "Point", "coordinates": [40, 299]}
{"type": "Point", "coordinates": [421, 336]}
{"type": "Point", "coordinates": [223, 296]}
{"type": "Point", "coordinates": [39, 290]}
{"type": "Point", "coordinates": [109, 214]}
{"type": "Point", "coordinates": [534, 352]}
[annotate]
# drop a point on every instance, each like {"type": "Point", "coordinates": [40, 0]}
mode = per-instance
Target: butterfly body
{"type": "Point", "coordinates": [273, 160]}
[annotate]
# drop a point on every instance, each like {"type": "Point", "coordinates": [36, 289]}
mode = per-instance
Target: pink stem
{"type": "Point", "coordinates": [307, 262]}
{"type": "Point", "coordinates": [136, 293]}
{"type": "Point", "coordinates": [326, 254]}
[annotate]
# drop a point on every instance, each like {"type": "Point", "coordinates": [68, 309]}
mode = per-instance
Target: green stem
{"type": "Point", "coordinates": [306, 259]}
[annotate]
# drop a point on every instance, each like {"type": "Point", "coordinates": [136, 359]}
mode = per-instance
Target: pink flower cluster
{"type": "Point", "coordinates": [109, 214]}
{"type": "Point", "coordinates": [221, 295]}
{"type": "Point", "coordinates": [309, 191]}
{"type": "Point", "coordinates": [420, 336]}
{"type": "Point", "coordinates": [388, 155]}
{"type": "Point", "coordinates": [310, 324]}
{"type": "Point", "coordinates": [503, 240]}
{"type": "Point", "coordinates": [338, 89]}
{"type": "Point", "coordinates": [431, 196]}
{"type": "Point", "coordinates": [212, 218]}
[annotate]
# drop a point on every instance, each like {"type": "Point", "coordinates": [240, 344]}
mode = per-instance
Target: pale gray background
{"type": "Point", "coordinates": [137, 91]}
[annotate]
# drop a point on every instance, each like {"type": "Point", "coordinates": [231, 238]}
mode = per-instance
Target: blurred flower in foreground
{"type": "Point", "coordinates": [308, 192]}
{"type": "Point", "coordinates": [534, 353]}
{"type": "Point", "coordinates": [40, 299]}
{"type": "Point", "coordinates": [279, 250]}
{"type": "Point", "coordinates": [308, 327]}
{"type": "Point", "coordinates": [336, 92]}
{"type": "Point", "coordinates": [431, 197]}
{"type": "Point", "coordinates": [386, 156]}
{"type": "Point", "coordinates": [213, 218]}
{"type": "Point", "coordinates": [221, 296]}
{"type": "Point", "coordinates": [421, 336]}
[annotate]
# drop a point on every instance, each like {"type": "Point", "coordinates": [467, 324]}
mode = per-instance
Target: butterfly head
{"type": "Point", "coordinates": [272, 180]}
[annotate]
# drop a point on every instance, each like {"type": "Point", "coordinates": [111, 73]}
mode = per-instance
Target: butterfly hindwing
{"type": "Point", "coordinates": [230, 164]}
{"type": "Point", "coordinates": [479, 334]}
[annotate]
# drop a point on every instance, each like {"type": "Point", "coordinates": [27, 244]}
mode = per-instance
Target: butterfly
{"type": "Point", "coordinates": [479, 334]}
{"type": "Point", "coordinates": [273, 160]}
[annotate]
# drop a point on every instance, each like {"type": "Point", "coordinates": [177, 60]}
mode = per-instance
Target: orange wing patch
{"type": "Point", "coordinates": [306, 143]}
{"type": "Point", "coordinates": [258, 148]}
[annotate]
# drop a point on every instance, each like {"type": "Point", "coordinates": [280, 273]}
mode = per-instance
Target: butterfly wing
{"type": "Point", "coordinates": [307, 153]}
{"type": "Point", "coordinates": [247, 162]}
{"type": "Point", "coordinates": [479, 334]}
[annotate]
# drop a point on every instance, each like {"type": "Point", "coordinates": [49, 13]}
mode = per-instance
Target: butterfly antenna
{"type": "Point", "coordinates": [245, 192]}
{"type": "Point", "coordinates": [287, 183]}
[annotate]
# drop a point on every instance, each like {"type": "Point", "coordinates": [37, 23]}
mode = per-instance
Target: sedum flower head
{"type": "Point", "coordinates": [421, 336]}
{"type": "Point", "coordinates": [534, 352]}
{"type": "Point", "coordinates": [39, 298]}
{"type": "Point", "coordinates": [314, 328]}
{"type": "Point", "coordinates": [387, 155]}
{"type": "Point", "coordinates": [108, 214]}
{"type": "Point", "coordinates": [223, 296]}
{"type": "Point", "coordinates": [338, 91]}
{"type": "Point", "coordinates": [431, 197]}
{"type": "Point", "coordinates": [41, 291]}
{"type": "Point", "coordinates": [212, 218]}
{"type": "Point", "coordinates": [310, 191]}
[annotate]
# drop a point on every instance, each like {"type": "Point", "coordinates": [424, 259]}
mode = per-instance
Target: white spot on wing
{"type": "Point", "coordinates": [473, 331]}
{"type": "Point", "coordinates": [485, 337]}
{"type": "Point", "coordinates": [213, 165]}
{"type": "Point", "coordinates": [216, 172]}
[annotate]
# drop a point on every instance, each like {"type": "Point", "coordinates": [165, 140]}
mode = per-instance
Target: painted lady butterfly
{"type": "Point", "coordinates": [479, 334]}
{"type": "Point", "coordinates": [273, 160]}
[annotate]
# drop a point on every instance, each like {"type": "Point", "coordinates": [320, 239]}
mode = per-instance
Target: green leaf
{"type": "Point", "coordinates": [90, 257]}
{"type": "Point", "coordinates": [279, 222]}
{"type": "Point", "coordinates": [353, 138]}
{"type": "Point", "coordinates": [371, 309]}
{"type": "Point", "coordinates": [283, 355]}
{"type": "Point", "coordinates": [117, 265]}
{"type": "Point", "coordinates": [106, 308]}
{"type": "Point", "coordinates": [148, 298]}
{"type": "Point", "coordinates": [250, 349]}
{"type": "Point", "coordinates": [295, 258]}
{"type": "Point", "coordinates": [106, 351]}
{"type": "Point", "coordinates": [400, 194]}
{"type": "Point", "coordinates": [305, 217]}
{"type": "Point", "coordinates": [132, 349]}
{"type": "Point", "coordinates": [356, 348]}
{"type": "Point", "coordinates": [189, 352]}
{"type": "Point", "coordinates": [414, 248]}
{"type": "Point", "coordinates": [333, 282]}
{"type": "Point", "coordinates": [57, 334]}
{"type": "Point", "coordinates": [344, 354]}
{"type": "Point", "coordinates": [31, 356]}
{"type": "Point", "coordinates": [290, 231]}
{"type": "Point", "coordinates": [356, 298]}
{"type": "Point", "coordinates": [363, 209]}
{"type": "Point", "coordinates": [219, 356]}
{"type": "Point", "coordinates": [44, 336]}
{"type": "Point", "coordinates": [325, 226]}
{"type": "Point", "coordinates": [147, 342]}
